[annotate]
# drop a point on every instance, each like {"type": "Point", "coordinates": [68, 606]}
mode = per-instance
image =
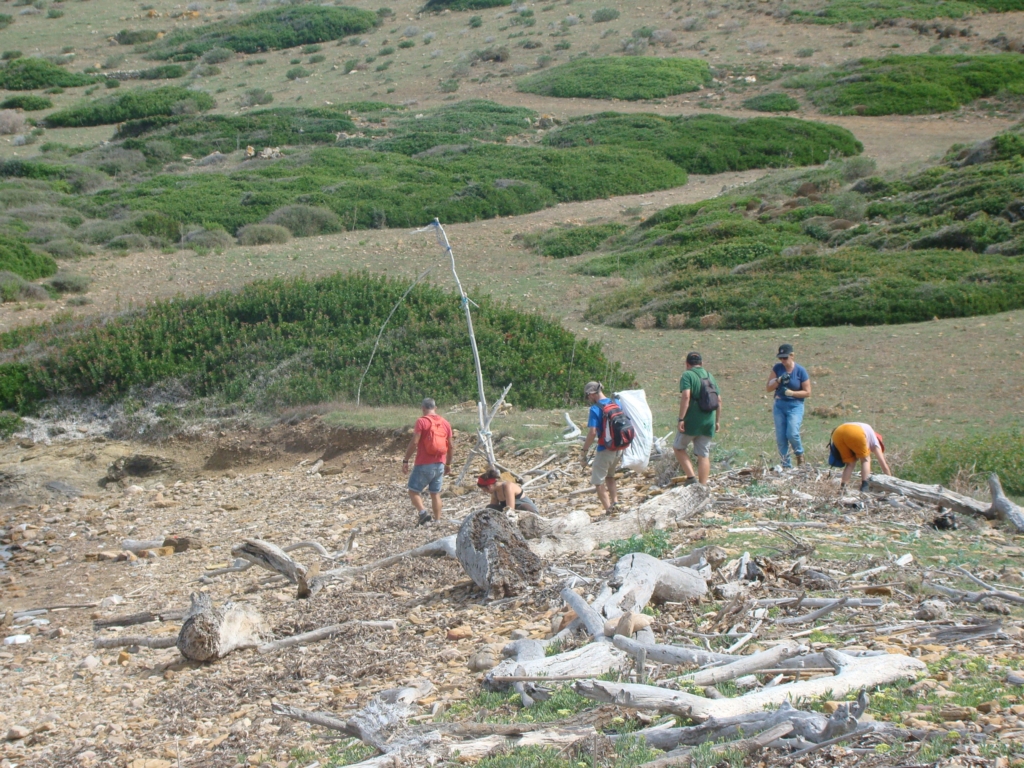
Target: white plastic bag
{"type": "Point", "coordinates": [638, 453]}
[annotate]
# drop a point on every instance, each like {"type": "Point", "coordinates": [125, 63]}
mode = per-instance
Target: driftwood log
{"type": "Point", "coordinates": [684, 758]}
{"type": "Point", "coordinates": [577, 533]}
{"type": "Point", "coordinates": [273, 558]}
{"type": "Point", "coordinates": [639, 578]}
{"type": "Point", "coordinates": [745, 665]}
{"type": "Point", "coordinates": [495, 555]}
{"type": "Point", "coordinates": [324, 633]}
{"type": "Point", "coordinates": [589, 660]}
{"type": "Point", "coordinates": [690, 655]}
{"type": "Point", "coordinates": [1001, 507]}
{"type": "Point", "coordinates": [209, 633]}
{"type": "Point", "coordinates": [852, 674]}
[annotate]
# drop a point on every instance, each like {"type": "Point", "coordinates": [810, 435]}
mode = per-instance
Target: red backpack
{"type": "Point", "coordinates": [618, 430]}
{"type": "Point", "coordinates": [435, 440]}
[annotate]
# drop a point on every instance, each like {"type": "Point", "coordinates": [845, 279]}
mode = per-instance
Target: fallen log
{"type": "Point", "coordinates": [745, 665]}
{"type": "Point", "coordinates": [962, 596]}
{"type": "Point", "coordinates": [495, 554]}
{"type": "Point", "coordinates": [577, 533]}
{"type": "Point", "coordinates": [743, 746]}
{"type": "Point", "coordinates": [853, 674]}
{"type": "Point", "coordinates": [589, 660]}
{"type": "Point", "coordinates": [139, 618]}
{"type": "Point", "coordinates": [273, 558]}
{"type": "Point", "coordinates": [591, 619]}
{"type": "Point", "coordinates": [672, 654]}
{"type": "Point", "coordinates": [145, 641]}
{"type": "Point", "coordinates": [639, 578]}
{"type": "Point", "coordinates": [823, 611]}
{"type": "Point", "coordinates": [1001, 508]}
{"type": "Point", "coordinates": [209, 633]}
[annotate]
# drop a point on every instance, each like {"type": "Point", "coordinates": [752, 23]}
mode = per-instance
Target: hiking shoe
{"type": "Point", "coordinates": [424, 518]}
{"type": "Point", "coordinates": [690, 481]}
{"type": "Point", "coordinates": [799, 458]}
{"type": "Point", "coordinates": [864, 486]}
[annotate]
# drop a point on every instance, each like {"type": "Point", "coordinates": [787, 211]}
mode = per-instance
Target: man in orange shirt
{"type": "Point", "coordinates": [432, 443]}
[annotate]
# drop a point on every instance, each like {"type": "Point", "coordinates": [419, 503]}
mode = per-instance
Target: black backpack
{"type": "Point", "coordinates": [618, 429]}
{"type": "Point", "coordinates": [707, 399]}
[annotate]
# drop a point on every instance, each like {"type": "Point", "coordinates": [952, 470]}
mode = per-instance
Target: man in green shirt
{"type": "Point", "coordinates": [695, 424]}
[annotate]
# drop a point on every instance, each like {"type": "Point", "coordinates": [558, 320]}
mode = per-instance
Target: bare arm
{"type": "Point", "coordinates": [684, 405]}
{"type": "Point", "coordinates": [449, 455]}
{"type": "Point", "coordinates": [718, 414]}
{"type": "Point", "coordinates": [881, 460]}
{"type": "Point", "coordinates": [411, 448]}
{"type": "Point", "coordinates": [591, 437]}
{"type": "Point", "coordinates": [773, 382]}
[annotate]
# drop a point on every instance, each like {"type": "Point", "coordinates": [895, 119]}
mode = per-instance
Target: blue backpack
{"type": "Point", "coordinates": [835, 459]}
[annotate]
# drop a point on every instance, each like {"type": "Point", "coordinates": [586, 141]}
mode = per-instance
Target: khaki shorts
{"type": "Point", "coordinates": [605, 463]}
{"type": "Point", "coordinates": [701, 444]}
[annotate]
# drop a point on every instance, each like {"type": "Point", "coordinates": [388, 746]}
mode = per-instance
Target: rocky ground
{"type": "Point", "coordinates": [68, 703]}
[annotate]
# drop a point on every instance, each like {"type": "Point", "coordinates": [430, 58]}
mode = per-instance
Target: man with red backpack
{"type": "Point", "coordinates": [700, 412]}
{"type": "Point", "coordinates": [613, 431]}
{"type": "Point", "coordinates": [432, 443]}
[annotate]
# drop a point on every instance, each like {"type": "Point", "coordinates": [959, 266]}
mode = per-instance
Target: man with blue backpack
{"type": "Point", "coordinates": [613, 431]}
{"type": "Point", "coordinates": [700, 412]}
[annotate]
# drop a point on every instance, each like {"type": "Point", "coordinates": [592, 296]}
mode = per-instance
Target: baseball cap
{"type": "Point", "coordinates": [785, 350]}
{"type": "Point", "coordinates": [693, 358]}
{"type": "Point", "coordinates": [591, 388]}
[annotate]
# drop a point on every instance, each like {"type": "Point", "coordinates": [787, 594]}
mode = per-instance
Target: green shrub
{"type": "Point", "coordinates": [448, 86]}
{"type": "Point", "coordinates": [217, 56]}
{"type": "Point", "coordinates": [654, 542]}
{"type": "Point", "coordinates": [266, 31]}
{"type": "Point", "coordinates": [9, 424]}
{"type": "Point", "coordinates": [6, 20]}
{"type": "Point", "coordinates": [17, 258]}
{"type": "Point", "coordinates": [297, 73]}
{"type": "Point", "coordinates": [475, 22]}
{"type": "Point", "coordinates": [54, 13]}
{"type": "Point", "coordinates": [563, 242]}
{"type": "Point", "coordinates": [163, 72]}
{"type": "Point", "coordinates": [133, 242]}
{"type": "Point", "coordinates": [27, 102]}
{"type": "Point", "coordinates": [470, 120]}
{"type": "Point", "coordinates": [263, 234]}
{"type": "Point", "coordinates": [305, 220]}
{"type": "Point", "coordinates": [772, 102]}
{"type": "Point", "coordinates": [69, 282]}
{"type": "Point", "coordinates": [437, 6]}
{"type": "Point", "coordinates": [16, 288]}
{"type": "Point", "coordinates": [10, 55]}
{"type": "Point", "coordinates": [255, 97]}
{"type": "Point", "coordinates": [911, 85]}
{"type": "Point", "coordinates": [860, 14]}
{"type": "Point", "coordinates": [65, 248]}
{"type": "Point", "coordinates": [407, 44]}
{"type": "Point", "coordinates": [111, 83]}
{"type": "Point", "coordinates": [629, 78]}
{"type": "Point", "coordinates": [133, 105]}
{"type": "Point", "coordinates": [712, 143]}
{"type": "Point", "coordinates": [387, 50]}
{"type": "Point", "coordinates": [207, 239]}
{"type": "Point", "coordinates": [30, 74]}
{"type": "Point", "coordinates": [301, 341]}
{"type": "Point", "coordinates": [943, 460]}
{"type": "Point", "coordinates": [134, 37]}
{"type": "Point", "coordinates": [602, 15]}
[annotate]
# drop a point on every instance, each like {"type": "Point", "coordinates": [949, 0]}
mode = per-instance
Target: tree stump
{"type": "Point", "coordinates": [209, 633]}
{"type": "Point", "coordinates": [495, 554]}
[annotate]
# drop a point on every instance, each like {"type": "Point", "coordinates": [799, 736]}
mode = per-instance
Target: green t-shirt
{"type": "Point", "coordinates": [696, 422]}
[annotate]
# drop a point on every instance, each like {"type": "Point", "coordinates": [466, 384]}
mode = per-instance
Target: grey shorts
{"type": "Point", "coordinates": [701, 444]}
{"type": "Point", "coordinates": [605, 463]}
{"type": "Point", "coordinates": [426, 477]}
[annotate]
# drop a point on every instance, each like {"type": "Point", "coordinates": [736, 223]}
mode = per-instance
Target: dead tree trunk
{"type": "Point", "coordinates": [273, 558]}
{"type": "Point", "coordinates": [210, 633]}
{"type": "Point", "coordinates": [745, 665]}
{"type": "Point", "coordinates": [639, 578]}
{"type": "Point", "coordinates": [495, 554]}
{"type": "Point", "coordinates": [1001, 507]}
{"type": "Point", "coordinates": [853, 674]}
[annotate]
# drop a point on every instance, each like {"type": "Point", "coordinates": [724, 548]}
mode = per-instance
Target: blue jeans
{"type": "Point", "coordinates": [789, 415]}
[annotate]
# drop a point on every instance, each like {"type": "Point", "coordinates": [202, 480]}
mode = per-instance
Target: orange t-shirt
{"type": "Point", "coordinates": [424, 425]}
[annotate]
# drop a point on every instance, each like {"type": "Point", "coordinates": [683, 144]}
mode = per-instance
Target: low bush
{"type": "Point", "coordinates": [563, 242]}
{"type": "Point", "coordinates": [65, 248]}
{"type": "Point", "coordinates": [163, 72]}
{"type": "Point", "coordinates": [70, 282]}
{"type": "Point", "coordinates": [27, 102]}
{"type": "Point", "coordinates": [134, 37]}
{"type": "Point", "coordinates": [628, 78]}
{"type": "Point", "coordinates": [11, 122]}
{"type": "Point", "coordinates": [10, 55]}
{"type": "Point", "coordinates": [300, 341]}
{"type": "Point", "coordinates": [944, 460]}
{"type": "Point", "coordinates": [263, 234]}
{"type": "Point", "coordinates": [857, 12]}
{"type": "Point", "coordinates": [712, 143]}
{"type": "Point", "coordinates": [30, 74]}
{"type": "Point", "coordinates": [133, 105]}
{"type": "Point", "coordinates": [911, 85]}
{"type": "Point", "coordinates": [133, 242]}
{"type": "Point", "coordinates": [297, 73]}
{"type": "Point", "coordinates": [208, 239]}
{"type": "Point", "coordinates": [255, 97]}
{"type": "Point", "coordinates": [772, 102]}
{"type": "Point", "coordinates": [272, 30]}
{"type": "Point", "coordinates": [437, 6]}
{"type": "Point", "coordinates": [17, 258]}
{"type": "Point", "coordinates": [602, 15]}
{"type": "Point", "coordinates": [15, 288]}
{"type": "Point", "coordinates": [305, 220]}
{"type": "Point", "coordinates": [6, 20]}
{"type": "Point", "coordinates": [9, 424]}
{"type": "Point", "coordinates": [217, 56]}
{"type": "Point", "coordinates": [466, 121]}
{"type": "Point", "coordinates": [654, 542]}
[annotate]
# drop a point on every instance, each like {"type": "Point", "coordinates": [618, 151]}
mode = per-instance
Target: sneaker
{"type": "Point", "coordinates": [864, 486]}
{"type": "Point", "coordinates": [690, 481]}
{"type": "Point", "coordinates": [424, 518]}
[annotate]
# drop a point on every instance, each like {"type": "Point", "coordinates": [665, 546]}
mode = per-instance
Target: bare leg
{"type": "Point", "coordinates": [703, 469]}
{"type": "Point", "coordinates": [602, 494]}
{"type": "Point", "coordinates": [613, 495]}
{"type": "Point", "coordinates": [417, 500]}
{"type": "Point", "coordinates": [847, 474]}
{"type": "Point", "coordinates": [684, 462]}
{"type": "Point", "coordinates": [435, 505]}
{"type": "Point", "coordinates": [865, 469]}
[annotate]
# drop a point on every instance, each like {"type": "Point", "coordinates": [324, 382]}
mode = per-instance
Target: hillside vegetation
{"type": "Point", "coordinates": [944, 242]}
{"type": "Point", "coordinates": [300, 341]}
{"type": "Point", "coordinates": [882, 11]}
{"type": "Point", "coordinates": [911, 85]}
{"type": "Point", "coordinates": [265, 31]}
{"type": "Point", "coordinates": [133, 105]}
{"type": "Point", "coordinates": [619, 77]}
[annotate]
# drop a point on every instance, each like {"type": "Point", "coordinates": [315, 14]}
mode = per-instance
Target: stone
{"type": "Point", "coordinates": [164, 551]}
{"type": "Point", "coordinates": [108, 556]}
{"type": "Point", "coordinates": [951, 713]}
{"type": "Point", "coordinates": [124, 657]}
{"type": "Point", "coordinates": [89, 662]}
{"type": "Point", "coordinates": [829, 707]}
{"type": "Point", "coordinates": [923, 686]}
{"type": "Point", "coordinates": [932, 610]}
{"type": "Point", "coordinates": [18, 732]}
{"type": "Point", "coordinates": [182, 543]}
{"type": "Point", "coordinates": [482, 661]}
{"type": "Point", "coordinates": [149, 762]}
{"type": "Point", "coordinates": [460, 633]}
{"type": "Point", "coordinates": [989, 707]}
{"type": "Point", "coordinates": [519, 634]}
